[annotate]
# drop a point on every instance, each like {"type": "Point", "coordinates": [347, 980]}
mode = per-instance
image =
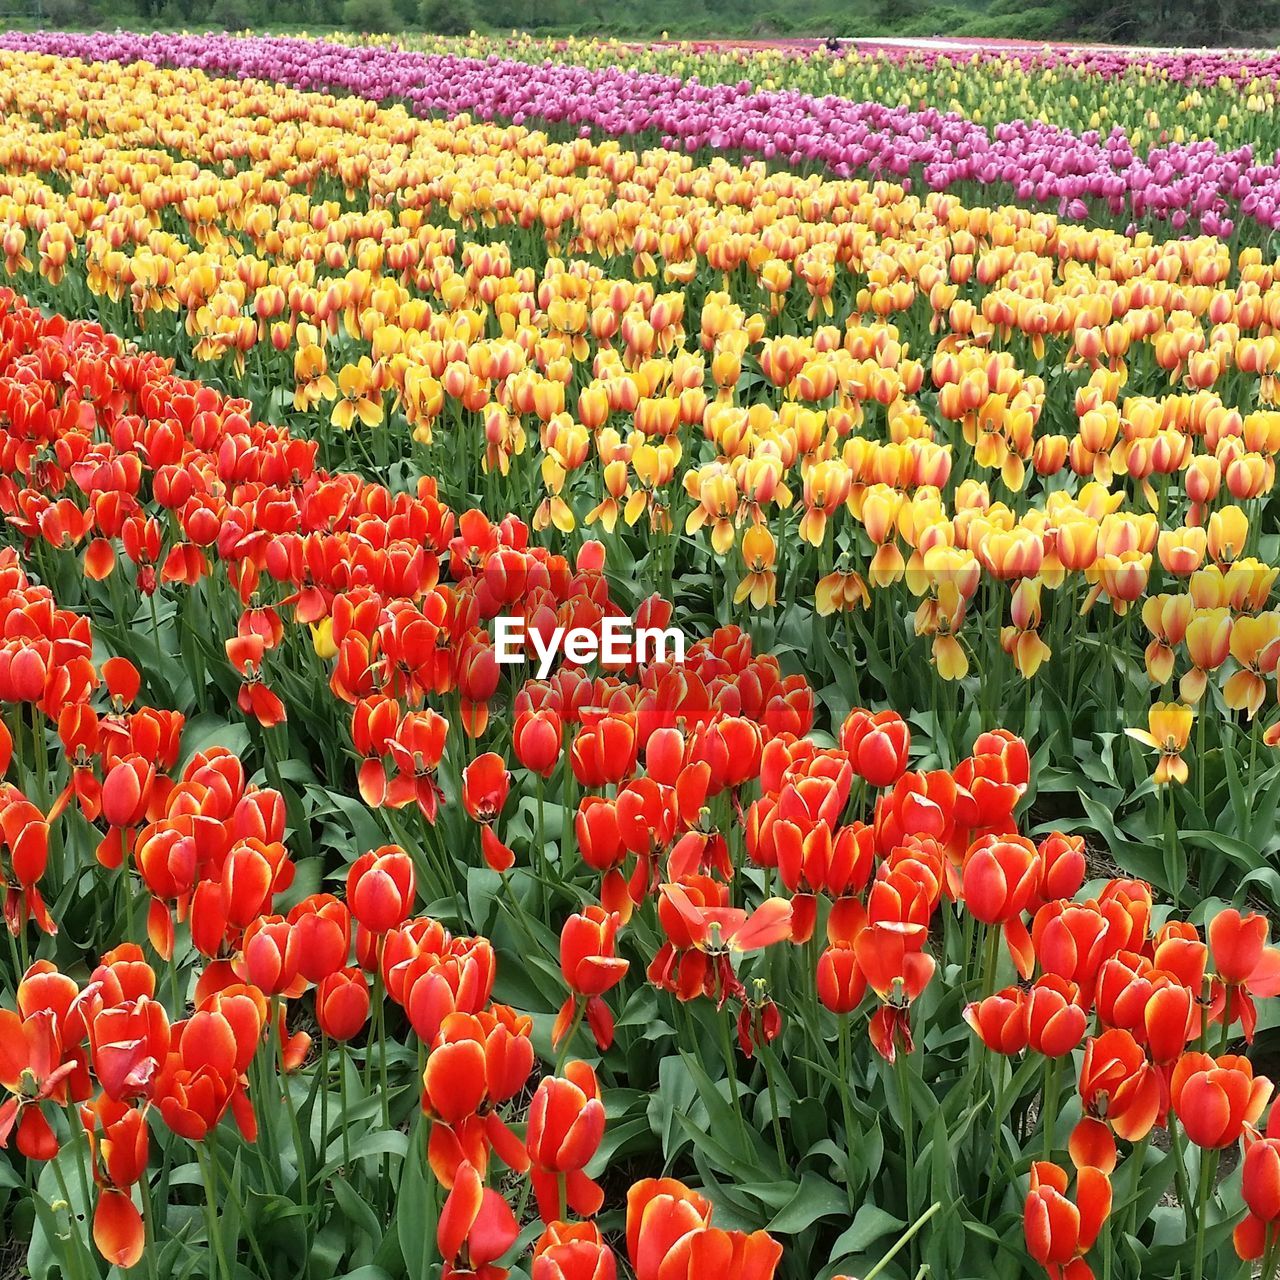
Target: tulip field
{"type": "Point", "coordinates": [903, 910]}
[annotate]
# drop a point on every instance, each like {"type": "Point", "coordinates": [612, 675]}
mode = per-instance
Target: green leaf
{"type": "Point", "coordinates": [358, 1212]}
{"type": "Point", "coordinates": [1138, 859]}
{"type": "Point", "coordinates": [417, 1209]}
{"type": "Point", "coordinates": [870, 1223]}
{"type": "Point", "coordinates": [674, 1096]}
{"type": "Point", "coordinates": [814, 1198]}
{"type": "Point", "coordinates": [376, 1142]}
{"type": "Point", "coordinates": [205, 731]}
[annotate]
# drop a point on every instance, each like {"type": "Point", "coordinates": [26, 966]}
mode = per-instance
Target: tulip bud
{"type": "Point", "coordinates": [342, 1003]}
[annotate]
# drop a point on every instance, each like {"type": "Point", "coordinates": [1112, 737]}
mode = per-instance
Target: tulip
{"type": "Point", "coordinates": [1118, 1084]}
{"type": "Point", "coordinates": [537, 741]}
{"type": "Point", "coordinates": [590, 968]}
{"type": "Point", "coordinates": [485, 786]}
{"type": "Point", "coordinates": [128, 1044]}
{"type": "Point", "coordinates": [1058, 1231]}
{"type": "Point", "coordinates": [1216, 1099]}
{"type": "Point", "coordinates": [1001, 1021]}
{"type": "Point", "coordinates": [841, 983]}
{"type": "Point", "coordinates": [322, 926]}
{"type": "Point", "coordinates": [566, 1125]}
{"type": "Point", "coordinates": [380, 888]}
{"type": "Point", "coordinates": [878, 745]}
{"type": "Point", "coordinates": [476, 1226]}
{"type": "Point", "coordinates": [269, 956]}
{"type": "Point", "coordinates": [342, 1003]}
{"type": "Point", "coordinates": [1055, 1021]}
{"type": "Point", "coordinates": [32, 1069]}
{"type": "Point", "coordinates": [1169, 730]}
{"type": "Point", "coordinates": [660, 1211]}
{"type": "Point", "coordinates": [576, 1260]}
{"type": "Point", "coordinates": [454, 1083]}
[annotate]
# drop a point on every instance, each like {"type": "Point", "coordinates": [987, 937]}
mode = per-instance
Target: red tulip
{"type": "Point", "coordinates": [118, 1230]}
{"type": "Point", "coordinates": [1260, 1189]}
{"type": "Point", "coordinates": [32, 1070]}
{"type": "Point", "coordinates": [879, 745]}
{"type": "Point", "coordinates": [435, 986]}
{"type": "Point", "coordinates": [1260, 1181]}
{"type": "Point", "coordinates": [590, 968]}
{"type": "Point", "coordinates": [566, 1124]}
{"type": "Point", "coordinates": [476, 1226]}
{"type": "Point", "coordinates": [841, 983]}
{"type": "Point", "coordinates": [485, 786]}
{"type": "Point", "coordinates": [269, 956]}
{"type": "Point", "coordinates": [890, 956]}
{"type": "Point", "coordinates": [573, 1252]}
{"type": "Point", "coordinates": [380, 888]}
{"type": "Point", "coordinates": [537, 739]}
{"type": "Point", "coordinates": [454, 1083]}
{"type": "Point", "coordinates": [1055, 1021]}
{"type": "Point", "coordinates": [1072, 940]}
{"type": "Point", "coordinates": [342, 1003]}
{"type": "Point", "coordinates": [322, 925]}
{"type": "Point", "coordinates": [1058, 1231]}
{"type": "Point", "coordinates": [128, 1044]}
{"type": "Point", "coordinates": [1217, 1099]}
{"type": "Point", "coordinates": [1118, 1084]}
{"type": "Point", "coordinates": [606, 751]}
{"type": "Point", "coordinates": [1062, 868]}
{"type": "Point", "coordinates": [660, 1211]}
{"type": "Point", "coordinates": [119, 1142]}
{"type": "Point", "coordinates": [1001, 1021]}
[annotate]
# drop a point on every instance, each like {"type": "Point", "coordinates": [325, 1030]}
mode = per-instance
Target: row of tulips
{"type": "Point", "coordinates": [1192, 185]}
{"type": "Point", "coordinates": [1152, 95]}
{"type": "Point", "coordinates": [763, 883]}
{"type": "Point", "coordinates": [953, 498]}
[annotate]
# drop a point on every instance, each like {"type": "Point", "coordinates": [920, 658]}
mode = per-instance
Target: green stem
{"type": "Point", "coordinates": [432, 1207]}
{"type": "Point", "coordinates": [299, 1153]}
{"type": "Point", "coordinates": [580, 1008]}
{"type": "Point", "coordinates": [773, 1111]}
{"type": "Point", "coordinates": [991, 960]}
{"type": "Point", "coordinates": [1138, 1158]}
{"type": "Point", "coordinates": [997, 1135]}
{"type": "Point", "coordinates": [544, 869]}
{"type": "Point", "coordinates": [1271, 1258]}
{"type": "Point", "coordinates": [73, 1224]}
{"type": "Point", "coordinates": [1049, 1104]}
{"type": "Point", "coordinates": [903, 1240]}
{"type": "Point", "coordinates": [902, 1066]}
{"type": "Point", "coordinates": [346, 1109]}
{"type": "Point", "coordinates": [1180, 1172]}
{"type": "Point", "coordinates": [73, 1120]}
{"type": "Point", "coordinates": [324, 1098]}
{"type": "Point", "coordinates": [1208, 1167]}
{"type": "Point", "coordinates": [730, 1066]}
{"type": "Point", "coordinates": [211, 1211]}
{"type": "Point", "coordinates": [846, 1099]}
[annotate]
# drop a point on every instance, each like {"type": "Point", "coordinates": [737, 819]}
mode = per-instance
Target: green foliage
{"type": "Point", "coordinates": [68, 13]}
{"type": "Point", "coordinates": [1177, 22]}
{"type": "Point", "coordinates": [1018, 22]}
{"type": "Point", "coordinates": [371, 16]}
{"type": "Point", "coordinates": [447, 17]}
{"type": "Point", "coordinates": [234, 15]}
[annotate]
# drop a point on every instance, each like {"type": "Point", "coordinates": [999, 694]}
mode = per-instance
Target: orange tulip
{"type": "Point", "coordinates": [380, 888]}
{"type": "Point", "coordinates": [1215, 1099]}
{"type": "Point", "coordinates": [566, 1125]}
